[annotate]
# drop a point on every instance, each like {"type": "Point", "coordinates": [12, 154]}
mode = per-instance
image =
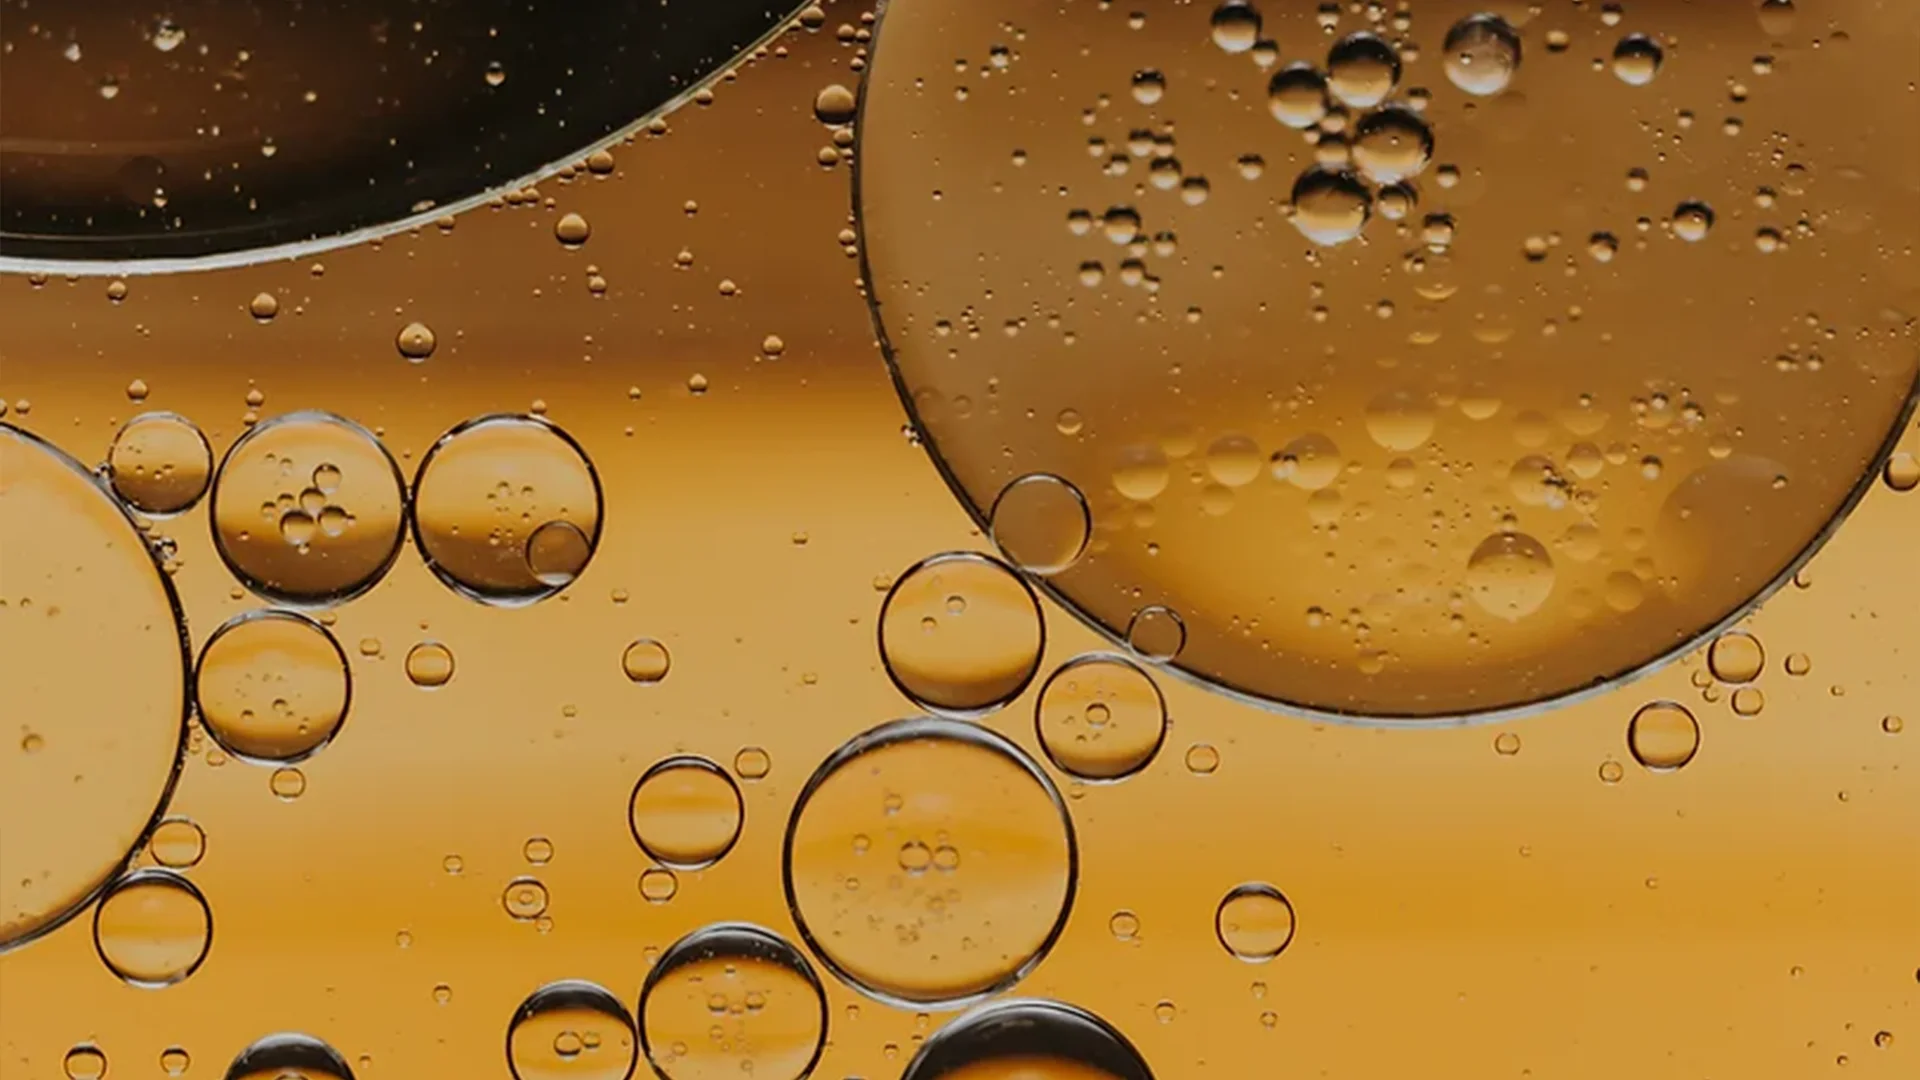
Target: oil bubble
{"type": "Point", "coordinates": [1236, 26]}
{"type": "Point", "coordinates": [1330, 205]}
{"type": "Point", "coordinates": [85, 1062]}
{"type": "Point", "coordinates": [685, 812]}
{"type": "Point", "coordinates": [1156, 633]}
{"type": "Point", "coordinates": [525, 898]}
{"type": "Point", "coordinates": [416, 342]}
{"type": "Point", "coordinates": [289, 1055]}
{"type": "Point", "coordinates": [308, 508]}
{"type": "Point", "coordinates": [961, 634]}
{"type": "Point", "coordinates": [1692, 221]}
{"type": "Point", "coordinates": [430, 665]}
{"type": "Point", "coordinates": [152, 928]}
{"type": "Point", "coordinates": [97, 755]}
{"type": "Point", "coordinates": [160, 463]}
{"type": "Point", "coordinates": [1254, 922]}
{"type": "Point", "coordinates": [731, 999]}
{"type": "Point", "coordinates": [949, 929]}
{"type": "Point", "coordinates": [1100, 717]}
{"type": "Point", "coordinates": [1392, 144]}
{"type": "Point", "coordinates": [272, 686]}
{"type": "Point", "coordinates": [1663, 736]}
{"type": "Point", "coordinates": [571, 1030]}
{"type": "Point", "coordinates": [658, 885]}
{"type": "Point", "coordinates": [646, 661]}
{"type": "Point", "coordinates": [1510, 575]}
{"type": "Point", "coordinates": [1902, 472]}
{"type": "Point", "coordinates": [1482, 54]}
{"type": "Point", "coordinates": [834, 105]}
{"type": "Point", "coordinates": [177, 843]}
{"type": "Point", "coordinates": [572, 230]}
{"type": "Point", "coordinates": [1027, 1039]}
{"type": "Point", "coordinates": [507, 509]}
{"type": "Point", "coordinates": [1736, 657]}
{"type": "Point", "coordinates": [1041, 523]}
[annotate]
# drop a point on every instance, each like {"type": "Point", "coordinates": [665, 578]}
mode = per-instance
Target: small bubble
{"type": "Point", "coordinates": [1156, 633]}
{"type": "Point", "coordinates": [525, 898]}
{"type": "Point", "coordinates": [571, 230]}
{"type": "Point", "coordinates": [1482, 52]}
{"type": "Point", "coordinates": [1297, 96]}
{"type": "Point", "coordinates": [288, 783]}
{"type": "Point", "coordinates": [1663, 736]}
{"type": "Point", "coordinates": [1506, 744]}
{"type": "Point", "coordinates": [752, 763]}
{"type": "Point", "coordinates": [1362, 69]}
{"type": "Point", "coordinates": [1041, 523]}
{"type": "Point", "coordinates": [85, 1062]}
{"type": "Point", "coordinates": [1892, 725]}
{"type": "Point", "coordinates": [177, 843]}
{"type": "Point", "coordinates": [1736, 657]}
{"type": "Point", "coordinates": [1330, 205]}
{"type": "Point", "coordinates": [1149, 86]}
{"type": "Point", "coordinates": [263, 307]}
{"type": "Point", "coordinates": [415, 342]}
{"type": "Point", "coordinates": [1611, 772]}
{"type": "Point", "coordinates": [174, 1061]}
{"type": "Point", "coordinates": [1202, 759]}
{"type": "Point", "coordinates": [429, 664]}
{"type": "Point", "coordinates": [646, 661]}
{"type": "Point", "coordinates": [1236, 26]}
{"type": "Point", "coordinates": [1748, 701]}
{"type": "Point", "coordinates": [834, 105]}
{"type": "Point", "coordinates": [658, 885]}
{"type": "Point", "coordinates": [1124, 925]}
{"type": "Point", "coordinates": [1692, 221]}
{"type": "Point", "coordinates": [1254, 922]}
{"type": "Point", "coordinates": [152, 928]}
{"type": "Point", "coordinates": [1902, 472]}
{"type": "Point", "coordinates": [1636, 59]}
{"type": "Point", "coordinates": [685, 812]}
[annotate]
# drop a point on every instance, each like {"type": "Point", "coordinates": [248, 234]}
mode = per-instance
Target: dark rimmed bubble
{"type": "Point", "coordinates": [152, 928]}
{"type": "Point", "coordinates": [685, 812]}
{"type": "Point", "coordinates": [890, 868]}
{"type": "Point", "coordinates": [732, 999]}
{"type": "Point", "coordinates": [507, 509]}
{"type": "Point", "coordinates": [289, 1056]}
{"type": "Point", "coordinates": [571, 1030]}
{"type": "Point", "coordinates": [1047, 1037]}
{"type": "Point", "coordinates": [272, 686]}
{"type": "Point", "coordinates": [961, 633]}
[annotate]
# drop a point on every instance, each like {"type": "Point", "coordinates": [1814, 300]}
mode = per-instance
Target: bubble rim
{"type": "Point", "coordinates": [319, 245]}
{"type": "Point", "coordinates": [520, 598]}
{"type": "Point", "coordinates": [1633, 723]}
{"type": "Point", "coordinates": [206, 447]}
{"type": "Point", "coordinates": [969, 1023]}
{"type": "Point", "coordinates": [570, 991]}
{"type": "Point", "coordinates": [962, 555]}
{"type": "Point", "coordinates": [305, 601]}
{"type": "Point", "coordinates": [778, 950]}
{"type": "Point", "coordinates": [167, 878]}
{"type": "Point", "coordinates": [261, 615]}
{"type": "Point", "coordinates": [688, 761]}
{"type": "Point", "coordinates": [930, 728]}
{"type": "Point", "coordinates": [1041, 476]}
{"type": "Point", "coordinates": [58, 919]}
{"type": "Point", "coordinates": [1594, 689]}
{"type": "Point", "coordinates": [298, 1045]}
{"type": "Point", "coordinates": [1255, 888]}
{"type": "Point", "coordinates": [1087, 659]}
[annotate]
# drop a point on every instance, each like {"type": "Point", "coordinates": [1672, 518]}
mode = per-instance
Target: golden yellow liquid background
{"type": "Point", "coordinates": [1459, 911]}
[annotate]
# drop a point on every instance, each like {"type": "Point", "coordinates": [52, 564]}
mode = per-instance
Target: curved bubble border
{"type": "Point", "coordinates": [301, 249]}
{"type": "Point", "coordinates": [119, 868]}
{"type": "Point", "coordinates": [175, 880]}
{"type": "Point", "coordinates": [1089, 659]}
{"type": "Point", "coordinates": [297, 600]}
{"type": "Point", "coordinates": [998, 703]}
{"type": "Point", "coordinates": [930, 727]}
{"type": "Point", "coordinates": [262, 615]}
{"type": "Point", "coordinates": [411, 526]}
{"type": "Point", "coordinates": [688, 761]}
{"type": "Point", "coordinates": [774, 949]}
{"type": "Point", "coordinates": [1599, 687]}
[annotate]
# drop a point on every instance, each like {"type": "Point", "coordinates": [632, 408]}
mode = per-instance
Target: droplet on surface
{"type": "Point", "coordinates": [1254, 922]}
{"type": "Point", "coordinates": [646, 661]}
{"type": "Point", "coordinates": [1297, 96]}
{"type": "Point", "coordinates": [430, 664]}
{"type": "Point", "coordinates": [160, 463]}
{"type": "Point", "coordinates": [507, 509]}
{"type": "Point", "coordinates": [834, 104]}
{"type": "Point", "coordinates": [1041, 523]}
{"type": "Point", "coordinates": [1692, 221]}
{"type": "Point", "coordinates": [1236, 26]}
{"type": "Point", "coordinates": [1482, 53]}
{"type": "Point", "coordinates": [152, 928]}
{"type": "Point", "coordinates": [732, 1000]}
{"type": "Point", "coordinates": [572, 230]}
{"type": "Point", "coordinates": [287, 784]}
{"type": "Point", "coordinates": [966, 658]}
{"type": "Point", "coordinates": [264, 306]}
{"type": "Point", "coordinates": [658, 885]}
{"type": "Point", "coordinates": [1027, 1039]}
{"type": "Point", "coordinates": [525, 898]}
{"type": "Point", "coordinates": [685, 812]}
{"type": "Point", "coordinates": [100, 689]}
{"type": "Point", "coordinates": [1362, 69]}
{"type": "Point", "coordinates": [1902, 472]}
{"type": "Point", "coordinates": [571, 1030]}
{"type": "Point", "coordinates": [964, 927]}
{"type": "Point", "coordinates": [1736, 657]}
{"type": "Point", "coordinates": [1663, 736]}
{"type": "Point", "coordinates": [287, 539]}
{"type": "Point", "coordinates": [415, 341]}
{"type": "Point", "coordinates": [1100, 717]}
{"type": "Point", "coordinates": [289, 1054]}
{"type": "Point", "coordinates": [1636, 59]}
{"type": "Point", "coordinates": [1330, 205]}
{"type": "Point", "coordinates": [85, 1062]}
{"type": "Point", "coordinates": [272, 686]}
{"type": "Point", "coordinates": [1392, 144]}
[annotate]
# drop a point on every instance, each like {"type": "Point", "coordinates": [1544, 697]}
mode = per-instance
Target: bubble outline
{"type": "Point", "coordinates": [522, 598]}
{"type": "Point", "coordinates": [1597, 687]}
{"type": "Point", "coordinates": [930, 728]}
{"type": "Point", "coordinates": [1255, 888]}
{"type": "Point", "coordinates": [301, 600]}
{"type": "Point", "coordinates": [147, 417]}
{"type": "Point", "coordinates": [1087, 659]}
{"type": "Point", "coordinates": [777, 950]}
{"type": "Point", "coordinates": [172, 879]}
{"type": "Point", "coordinates": [687, 761]}
{"type": "Point", "coordinates": [574, 991]}
{"type": "Point", "coordinates": [58, 919]}
{"type": "Point", "coordinates": [1019, 578]}
{"type": "Point", "coordinates": [1041, 476]}
{"type": "Point", "coordinates": [1016, 1012]}
{"type": "Point", "coordinates": [262, 615]}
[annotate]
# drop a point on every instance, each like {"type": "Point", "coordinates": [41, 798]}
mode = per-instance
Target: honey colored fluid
{"type": "Point", "coordinates": [704, 613]}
